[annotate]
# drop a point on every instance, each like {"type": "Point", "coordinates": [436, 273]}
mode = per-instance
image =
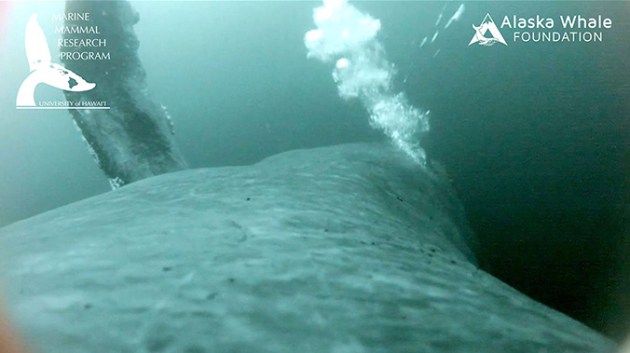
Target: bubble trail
{"type": "Point", "coordinates": [346, 36]}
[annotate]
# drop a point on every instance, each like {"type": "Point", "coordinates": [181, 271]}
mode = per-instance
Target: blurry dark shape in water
{"type": "Point", "coordinates": [133, 139]}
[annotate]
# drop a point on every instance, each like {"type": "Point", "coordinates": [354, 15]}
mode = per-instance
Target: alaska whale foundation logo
{"type": "Point", "coordinates": [487, 25]}
{"type": "Point", "coordinates": [44, 71]}
{"type": "Point", "coordinates": [540, 29]}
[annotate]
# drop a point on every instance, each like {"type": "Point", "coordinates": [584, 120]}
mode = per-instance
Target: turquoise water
{"type": "Point", "coordinates": [533, 136]}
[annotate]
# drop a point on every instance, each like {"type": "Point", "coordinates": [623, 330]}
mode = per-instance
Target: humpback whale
{"type": "Point", "coordinates": [352, 248]}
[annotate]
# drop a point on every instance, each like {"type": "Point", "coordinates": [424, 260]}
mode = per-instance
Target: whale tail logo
{"type": "Point", "coordinates": [43, 70]}
{"type": "Point", "coordinates": [487, 25]}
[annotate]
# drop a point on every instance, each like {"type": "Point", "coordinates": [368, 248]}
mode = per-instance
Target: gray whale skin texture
{"type": "Point", "coordinates": [348, 248]}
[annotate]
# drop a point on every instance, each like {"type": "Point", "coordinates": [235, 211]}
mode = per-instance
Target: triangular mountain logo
{"type": "Point", "coordinates": [487, 25]}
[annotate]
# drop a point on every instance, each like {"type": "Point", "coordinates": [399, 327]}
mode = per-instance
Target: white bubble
{"type": "Point", "coordinates": [376, 25]}
{"type": "Point", "coordinates": [342, 63]}
{"type": "Point", "coordinates": [314, 35]}
{"type": "Point", "coordinates": [322, 14]}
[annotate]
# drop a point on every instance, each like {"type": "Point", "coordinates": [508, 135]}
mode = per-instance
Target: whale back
{"type": "Point", "coordinates": [342, 249]}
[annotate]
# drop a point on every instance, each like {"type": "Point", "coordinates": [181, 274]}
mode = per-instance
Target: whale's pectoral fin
{"type": "Point", "coordinates": [133, 139]}
{"type": "Point", "coordinates": [37, 51]}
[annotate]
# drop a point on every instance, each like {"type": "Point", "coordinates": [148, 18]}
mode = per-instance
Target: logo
{"type": "Point", "coordinates": [43, 70]}
{"type": "Point", "coordinates": [487, 25]}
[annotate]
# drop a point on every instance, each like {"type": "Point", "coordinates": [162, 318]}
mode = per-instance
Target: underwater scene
{"type": "Point", "coordinates": [314, 176]}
